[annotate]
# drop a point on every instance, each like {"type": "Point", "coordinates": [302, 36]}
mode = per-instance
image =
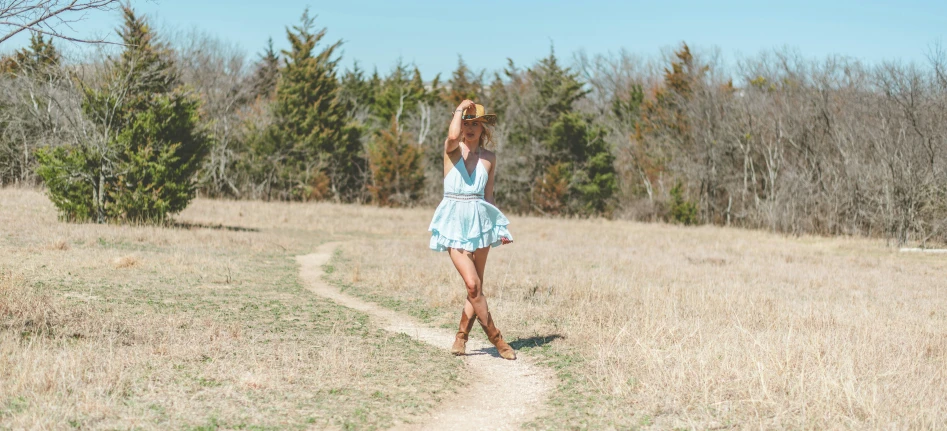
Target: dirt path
{"type": "Point", "coordinates": [501, 394]}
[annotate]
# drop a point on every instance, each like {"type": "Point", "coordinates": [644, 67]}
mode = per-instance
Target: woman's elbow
{"type": "Point", "coordinates": [450, 144]}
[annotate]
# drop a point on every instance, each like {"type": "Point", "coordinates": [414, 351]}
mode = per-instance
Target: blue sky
{"type": "Point", "coordinates": [431, 33]}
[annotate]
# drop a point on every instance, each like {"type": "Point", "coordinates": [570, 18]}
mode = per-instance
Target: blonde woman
{"type": "Point", "coordinates": [467, 223]}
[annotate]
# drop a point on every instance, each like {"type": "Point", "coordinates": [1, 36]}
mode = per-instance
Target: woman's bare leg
{"type": "Point", "coordinates": [480, 262]}
{"type": "Point", "coordinates": [471, 267]}
{"type": "Point", "coordinates": [466, 265]}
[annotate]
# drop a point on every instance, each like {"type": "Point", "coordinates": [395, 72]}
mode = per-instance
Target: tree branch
{"type": "Point", "coordinates": [23, 15]}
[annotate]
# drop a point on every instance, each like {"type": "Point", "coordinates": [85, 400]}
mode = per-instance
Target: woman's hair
{"type": "Point", "coordinates": [486, 135]}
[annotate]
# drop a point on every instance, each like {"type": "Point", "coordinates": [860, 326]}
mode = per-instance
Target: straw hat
{"type": "Point", "coordinates": [478, 112]}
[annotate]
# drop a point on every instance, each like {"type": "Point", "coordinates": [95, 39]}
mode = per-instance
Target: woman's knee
{"type": "Point", "coordinates": [473, 286]}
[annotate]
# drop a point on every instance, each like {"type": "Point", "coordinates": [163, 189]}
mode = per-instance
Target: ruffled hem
{"type": "Point", "coordinates": [491, 238]}
{"type": "Point", "coordinates": [467, 225]}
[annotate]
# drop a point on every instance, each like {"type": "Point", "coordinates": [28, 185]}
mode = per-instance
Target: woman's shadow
{"type": "Point", "coordinates": [537, 341]}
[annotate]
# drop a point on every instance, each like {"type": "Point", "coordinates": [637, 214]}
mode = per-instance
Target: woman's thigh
{"type": "Point", "coordinates": [464, 262]}
{"type": "Point", "coordinates": [480, 260]}
{"type": "Point", "coordinates": [470, 264]}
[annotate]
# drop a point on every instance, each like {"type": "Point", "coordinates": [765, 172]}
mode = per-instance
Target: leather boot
{"type": "Point", "coordinates": [460, 341]}
{"type": "Point", "coordinates": [493, 334]}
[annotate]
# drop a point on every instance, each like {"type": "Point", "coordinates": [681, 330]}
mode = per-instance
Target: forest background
{"type": "Point", "coordinates": [777, 141]}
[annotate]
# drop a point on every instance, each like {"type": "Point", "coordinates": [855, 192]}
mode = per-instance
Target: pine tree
{"type": "Point", "coordinates": [664, 114]}
{"type": "Point", "coordinates": [464, 84]}
{"type": "Point", "coordinates": [592, 180]}
{"type": "Point", "coordinates": [551, 189]}
{"type": "Point", "coordinates": [145, 58]}
{"type": "Point", "coordinates": [559, 88]}
{"type": "Point", "coordinates": [663, 129]}
{"type": "Point", "coordinates": [420, 92]}
{"type": "Point", "coordinates": [395, 162]}
{"type": "Point", "coordinates": [312, 137]}
{"type": "Point", "coordinates": [398, 94]}
{"type": "Point", "coordinates": [265, 73]}
{"type": "Point", "coordinates": [374, 83]}
{"type": "Point", "coordinates": [627, 107]}
{"type": "Point", "coordinates": [356, 89]}
{"type": "Point", "coordinates": [498, 96]}
{"type": "Point", "coordinates": [567, 167]}
{"type": "Point", "coordinates": [142, 167]}
{"type": "Point", "coordinates": [434, 94]}
{"type": "Point", "coordinates": [38, 56]}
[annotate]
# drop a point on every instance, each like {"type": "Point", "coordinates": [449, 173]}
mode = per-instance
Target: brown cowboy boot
{"type": "Point", "coordinates": [460, 341]}
{"type": "Point", "coordinates": [505, 351]}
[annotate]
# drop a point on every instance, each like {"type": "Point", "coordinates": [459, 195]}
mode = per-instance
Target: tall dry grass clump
{"type": "Point", "coordinates": [50, 350]}
{"type": "Point", "coordinates": [22, 310]}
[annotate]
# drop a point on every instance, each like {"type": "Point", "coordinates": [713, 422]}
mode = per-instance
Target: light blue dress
{"type": "Point", "coordinates": [464, 219]}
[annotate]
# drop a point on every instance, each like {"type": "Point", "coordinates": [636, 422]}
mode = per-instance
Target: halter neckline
{"type": "Point", "coordinates": [463, 167]}
{"type": "Point", "coordinates": [462, 159]}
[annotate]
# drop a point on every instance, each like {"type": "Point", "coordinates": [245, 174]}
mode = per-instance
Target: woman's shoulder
{"type": "Point", "coordinates": [488, 155]}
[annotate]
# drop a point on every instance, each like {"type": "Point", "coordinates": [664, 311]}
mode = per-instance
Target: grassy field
{"type": "Point", "coordinates": [111, 327]}
{"type": "Point", "coordinates": [647, 326]}
{"type": "Point", "coordinates": [668, 327]}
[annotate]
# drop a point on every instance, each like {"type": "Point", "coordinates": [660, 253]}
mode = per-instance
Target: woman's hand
{"type": "Point", "coordinates": [506, 240]}
{"type": "Point", "coordinates": [456, 126]}
{"type": "Point", "coordinates": [465, 105]}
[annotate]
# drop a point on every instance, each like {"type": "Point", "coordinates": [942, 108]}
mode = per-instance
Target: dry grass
{"type": "Point", "coordinates": [108, 327]}
{"type": "Point", "coordinates": [663, 327]}
{"type": "Point", "coordinates": [125, 261]}
{"type": "Point", "coordinates": [698, 328]}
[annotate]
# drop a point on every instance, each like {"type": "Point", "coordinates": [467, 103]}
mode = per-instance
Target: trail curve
{"type": "Point", "coordinates": [501, 394]}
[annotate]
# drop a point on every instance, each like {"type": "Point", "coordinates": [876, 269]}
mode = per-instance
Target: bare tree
{"type": "Point", "coordinates": [47, 17]}
{"type": "Point", "coordinates": [219, 72]}
{"type": "Point", "coordinates": [31, 118]}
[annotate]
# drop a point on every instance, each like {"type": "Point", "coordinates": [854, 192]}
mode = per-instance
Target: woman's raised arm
{"type": "Point", "coordinates": [456, 123]}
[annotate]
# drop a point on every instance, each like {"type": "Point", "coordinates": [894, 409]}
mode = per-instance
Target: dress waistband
{"type": "Point", "coordinates": [463, 196]}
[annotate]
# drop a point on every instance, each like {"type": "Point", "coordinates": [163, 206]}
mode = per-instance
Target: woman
{"type": "Point", "coordinates": [466, 223]}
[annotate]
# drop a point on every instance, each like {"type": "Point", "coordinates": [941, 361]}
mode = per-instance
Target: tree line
{"type": "Point", "coordinates": [778, 142]}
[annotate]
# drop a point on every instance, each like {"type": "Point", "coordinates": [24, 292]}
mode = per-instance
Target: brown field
{"type": "Point", "coordinates": [120, 327]}
{"type": "Point", "coordinates": [647, 326]}
{"type": "Point", "coordinates": [699, 328]}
